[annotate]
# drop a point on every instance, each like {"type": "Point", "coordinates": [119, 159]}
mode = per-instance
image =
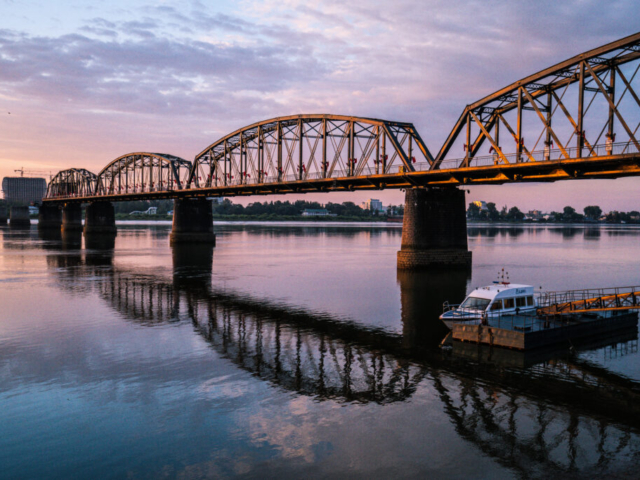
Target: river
{"type": "Point", "coordinates": [295, 350]}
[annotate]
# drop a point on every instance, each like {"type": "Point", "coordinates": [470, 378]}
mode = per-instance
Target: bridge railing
{"type": "Point", "coordinates": [545, 155]}
{"type": "Point", "coordinates": [248, 180]}
{"type": "Point", "coordinates": [245, 178]}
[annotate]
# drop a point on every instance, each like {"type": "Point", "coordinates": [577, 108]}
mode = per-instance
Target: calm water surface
{"type": "Point", "coordinates": [295, 351]}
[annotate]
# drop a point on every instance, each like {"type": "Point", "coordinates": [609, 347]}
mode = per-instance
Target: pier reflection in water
{"type": "Point", "coordinates": [547, 415]}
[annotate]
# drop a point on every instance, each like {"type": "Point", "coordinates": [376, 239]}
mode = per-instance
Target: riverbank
{"type": "Point", "coordinates": [263, 218]}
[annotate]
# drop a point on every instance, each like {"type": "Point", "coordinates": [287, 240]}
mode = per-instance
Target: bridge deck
{"type": "Point", "coordinates": [593, 167]}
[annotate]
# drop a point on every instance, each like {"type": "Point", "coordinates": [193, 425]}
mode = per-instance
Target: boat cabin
{"type": "Point", "coordinates": [500, 298]}
{"type": "Point", "coordinates": [492, 301]}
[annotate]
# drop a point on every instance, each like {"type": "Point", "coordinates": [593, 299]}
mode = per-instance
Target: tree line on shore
{"type": "Point", "coordinates": [592, 214]}
{"type": "Point", "coordinates": [265, 209]}
{"type": "Point", "coordinates": [349, 210]}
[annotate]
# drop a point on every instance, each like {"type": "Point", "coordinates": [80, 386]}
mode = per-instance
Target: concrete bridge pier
{"type": "Point", "coordinates": [49, 217]}
{"type": "Point", "coordinates": [71, 217]}
{"type": "Point", "coordinates": [19, 217]}
{"type": "Point", "coordinates": [192, 221]}
{"type": "Point", "coordinates": [434, 230]}
{"type": "Point", "coordinates": [99, 217]}
{"type": "Point", "coordinates": [4, 214]}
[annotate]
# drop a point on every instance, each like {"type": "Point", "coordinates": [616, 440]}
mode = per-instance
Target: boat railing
{"type": "Point", "coordinates": [461, 314]}
{"type": "Point", "coordinates": [446, 306]}
{"type": "Point", "coordinates": [548, 299]}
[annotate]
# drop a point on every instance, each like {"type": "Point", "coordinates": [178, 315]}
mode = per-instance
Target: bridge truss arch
{"type": "Point", "coordinates": [582, 108]}
{"type": "Point", "coordinates": [143, 172]}
{"type": "Point", "coordinates": [73, 182]}
{"type": "Point", "coordinates": [309, 147]}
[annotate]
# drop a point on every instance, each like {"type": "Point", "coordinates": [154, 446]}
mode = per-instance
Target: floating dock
{"type": "Point", "coordinates": [526, 332]}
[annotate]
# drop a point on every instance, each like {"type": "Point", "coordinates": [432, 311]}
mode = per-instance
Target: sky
{"type": "Point", "coordinates": [82, 83]}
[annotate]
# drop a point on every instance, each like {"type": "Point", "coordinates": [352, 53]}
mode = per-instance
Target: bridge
{"type": "Point", "coordinates": [574, 120]}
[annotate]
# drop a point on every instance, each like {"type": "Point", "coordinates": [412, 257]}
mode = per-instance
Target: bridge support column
{"type": "Point", "coordinates": [72, 217]}
{"type": "Point", "coordinates": [20, 217]}
{"type": "Point", "coordinates": [4, 214]}
{"type": "Point", "coordinates": [99, 217]}
{"type": "Point", "coordinates": [49, 217]}
{"type": "Point", "coordinates": [434, 230]}
{"type": "Point", "coordinates": [192, 221]}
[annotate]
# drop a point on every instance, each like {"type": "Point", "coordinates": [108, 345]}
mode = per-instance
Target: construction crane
{"type": "Point", "coordinates": [34, 173]}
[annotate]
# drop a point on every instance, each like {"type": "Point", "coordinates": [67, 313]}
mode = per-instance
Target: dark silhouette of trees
{"type": "Point", "coordinates": [593, 212]}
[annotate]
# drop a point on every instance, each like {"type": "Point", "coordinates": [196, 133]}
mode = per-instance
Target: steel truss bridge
{"type": "Point", "coordinates": [563, 416]}
{"type": "Point", "coordinates": [578, 119]}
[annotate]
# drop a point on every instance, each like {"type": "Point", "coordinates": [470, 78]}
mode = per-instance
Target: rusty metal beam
{"type": "Point", "coordinates": [612, 105]}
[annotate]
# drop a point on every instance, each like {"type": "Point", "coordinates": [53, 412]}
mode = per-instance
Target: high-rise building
{"type": "Point", "coordinates": [23, 190]}
{"type": "Point", "coordinates": [373, 205]}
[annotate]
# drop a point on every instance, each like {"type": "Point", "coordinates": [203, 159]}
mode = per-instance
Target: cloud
{"type": "Point", "coordinates": [193, 71]}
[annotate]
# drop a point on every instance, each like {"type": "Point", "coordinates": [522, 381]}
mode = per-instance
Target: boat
{"type": "Point", "coordinates": [496, 300]}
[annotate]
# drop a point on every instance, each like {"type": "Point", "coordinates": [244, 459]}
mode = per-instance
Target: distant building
{"type": "Point", "coordinates": [149, 211]}
{"type": "Point", "coordinates": [23, 190]}
{"type": "Point", "coordinates": [372, 204]}
{"type": "Point", "coordinates": [317, 212]}
{"type": "Point", "coordinates": [216, 200]}
{"type": "Point", "coordinates": [534, 215]}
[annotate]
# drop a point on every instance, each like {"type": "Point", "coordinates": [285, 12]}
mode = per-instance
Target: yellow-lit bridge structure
{"type": "Point", "coordinates": [577, 119]}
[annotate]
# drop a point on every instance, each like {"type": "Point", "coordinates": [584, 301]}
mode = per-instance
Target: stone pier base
{"type": "Point", "coordinates": [434, 230]}
{"type": "Point", "coordinates": [49, 217]}
{"type": "Point", "coordinates": [433, 258]}
{"type": "Point", "coordinates": [71, 217]}
{"type": "Point", "coordinates": [20, 217]}
{"type": "Point", "coordinates": [99, 217]}
{"type": "Point", "coordinates": [192, 221]}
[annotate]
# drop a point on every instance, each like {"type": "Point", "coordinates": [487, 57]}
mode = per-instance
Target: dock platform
{"type": "Point", "coordinates": [526, 332]}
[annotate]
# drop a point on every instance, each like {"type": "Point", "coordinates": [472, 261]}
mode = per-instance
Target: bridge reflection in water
{"type": "Point", "coordinates": [559, 416]}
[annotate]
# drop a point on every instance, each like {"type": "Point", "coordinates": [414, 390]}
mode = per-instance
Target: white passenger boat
{"type": "Point", "coordinates": [501, 298]}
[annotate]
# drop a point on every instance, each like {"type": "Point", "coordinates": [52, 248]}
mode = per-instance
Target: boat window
{"type": "Point", "coordinates": [497, 305]}
{"type": "Point", "coordinates": [508, 302]}
{"type": "Point", "coordinates": [521, 301]}
{"type": "Point", "coordinates": [475, 302]}
{"type": "Point", "coordinates": [530, 301]}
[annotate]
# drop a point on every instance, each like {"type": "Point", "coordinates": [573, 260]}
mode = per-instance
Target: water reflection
{"type": "Point", "coordinates": [100, 241]}
{"type": "Point", "coordinates": [51, 237]}
{"type": "Point", "coordinates": [592, 233]}
{"type": "Point", "coordinates": [72, 239]}
{"type": "Point", "coordinates": [18, 238]}
{"type": "Point", "coordinates": [422, 294]}
{"type": "Point", "coordinates": [494, 231]}
{"type": "Point", "coordinates": [345, 230]}
{"type": "Point", "coordinates": [559, 415]}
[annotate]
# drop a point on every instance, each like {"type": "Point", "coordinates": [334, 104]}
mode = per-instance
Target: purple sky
{"type": "Point", "coordinates": [86, 84]}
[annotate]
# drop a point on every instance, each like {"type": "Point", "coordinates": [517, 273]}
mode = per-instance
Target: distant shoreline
{"type": "Point", "coordinates": [265, 218]}
{"type": "Point", "coordinates": [325, 219]}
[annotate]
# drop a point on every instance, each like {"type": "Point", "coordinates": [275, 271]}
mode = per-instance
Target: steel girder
{"type": "Point", "coordinates": [308, 147]}
{"type": "Point", "coordinates": [143, 172]}
{"type": "Point", "coordinates": [596, 73]}
{"type": "Point", "coordinates": [74, 182]}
